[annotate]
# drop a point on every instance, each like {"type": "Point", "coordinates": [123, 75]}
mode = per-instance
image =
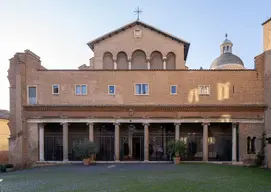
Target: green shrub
{"type": "Point", "coordinates": [177, 148]}
{"type": "Point", "coordinates": [84, 149]}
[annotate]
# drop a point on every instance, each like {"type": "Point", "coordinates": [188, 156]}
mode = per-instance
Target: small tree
{"type": "Point", "coordinates": [177, 148]}
{"type": "Point", "coordinates": [84, 149]}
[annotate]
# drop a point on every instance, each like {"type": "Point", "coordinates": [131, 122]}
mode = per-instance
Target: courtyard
{"type": "Point", "coordinates": [138, 177]}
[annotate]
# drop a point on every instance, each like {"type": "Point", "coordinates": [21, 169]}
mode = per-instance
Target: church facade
{"type": "Point", "coordinates": [134, 96]}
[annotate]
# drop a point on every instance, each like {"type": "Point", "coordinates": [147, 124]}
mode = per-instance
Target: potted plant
{"type": "Point", "coordinates": [85, 150]}
{"type": "Point", "coordinates": [177, 149]}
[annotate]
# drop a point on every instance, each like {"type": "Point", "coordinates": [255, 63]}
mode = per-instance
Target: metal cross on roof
{"type": "Point", "coordinates": [138, 12]}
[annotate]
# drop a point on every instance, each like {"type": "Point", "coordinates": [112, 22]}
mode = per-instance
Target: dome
{"type": "Point", "coordinates": [227, 41]}
{"type": "Point", "coordinates": [227, 60]}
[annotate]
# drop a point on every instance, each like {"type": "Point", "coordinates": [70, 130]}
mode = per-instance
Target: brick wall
{"type": "Point", "coordinates": [227, 87]}
{"type": "Point", "coordinates": [249, 130]}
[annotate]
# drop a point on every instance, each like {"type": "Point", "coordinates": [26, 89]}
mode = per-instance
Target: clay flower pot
{"type": "Point", "coordinates": [177, 160]}
{"type": "Point", "coordinates": [86, 161]}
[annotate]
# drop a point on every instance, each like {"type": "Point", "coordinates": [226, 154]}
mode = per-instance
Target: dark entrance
{"type": "Point", "coordinates": [159, 136]}
{"type": "Point", "coordinates": [191, 134]}
{"type": "Point", "coordinates": [220, 142]}
{"type": "Point", "coordinates": [53, 142]}
{"type": "Point", "coordinates": [137, 148]}
{"type": "Point", "coordinates": [104, 137]}
{"type": "Point", "coordinates": [131, 142]}
{"type": "Point", "coordinates": [77, 132]}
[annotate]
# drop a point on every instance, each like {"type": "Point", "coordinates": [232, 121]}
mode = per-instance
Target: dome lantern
{"type": "Point", "coordinates": [226, 46]}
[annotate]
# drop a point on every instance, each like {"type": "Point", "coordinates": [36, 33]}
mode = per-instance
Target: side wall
{"type": "Point", "coordinates": [21, 65]}
{"type": "Point", "coordinates": [249, 130]}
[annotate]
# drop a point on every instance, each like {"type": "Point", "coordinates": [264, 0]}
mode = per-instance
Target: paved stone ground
{"type": "Point", "coordinates": [138, 177]}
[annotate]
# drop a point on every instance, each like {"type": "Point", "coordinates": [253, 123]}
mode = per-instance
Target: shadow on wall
{"type": "Point", "coordinates": [4, 135]}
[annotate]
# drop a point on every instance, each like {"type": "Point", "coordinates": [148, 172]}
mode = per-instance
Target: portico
{"type": "Point", "coordinates": [136, 139]}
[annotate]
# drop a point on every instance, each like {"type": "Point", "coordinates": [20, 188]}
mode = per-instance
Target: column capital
{"type": "Point", "coordinates": [205, 123]}
{"type": "Point", "coordinates": [146, 124]}
{"type": "Point", "coordinates": [148, 58]}
{"type": "Point", "coordinates": [234, 125]}
{"type": "Point", "coordinates": [164, 58]}
{"type": "Point", "coordinates": [177, 124]}
{"type": "Point", "coordinates": [64, 124]}
{"type": "Point", "coordinates": [90, 123]}
{"type": "Point", "coordinates": [41, 124]}
{"type": "Point", "coordinates": [116, 124]}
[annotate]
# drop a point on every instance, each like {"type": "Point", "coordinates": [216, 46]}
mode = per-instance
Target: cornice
{"type": "Point", "coordinates": [240, 107]}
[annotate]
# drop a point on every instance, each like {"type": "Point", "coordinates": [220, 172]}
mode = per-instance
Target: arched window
{"type": "Point", "coordinates": [248, 145]}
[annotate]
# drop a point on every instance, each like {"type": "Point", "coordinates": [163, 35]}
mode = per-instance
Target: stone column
{"type": "Point", "coordinates": [148, 63]}
{"type": "Point", "coordinates": [164, 142]}
{"type": "Point", "coordinates": [146, 141]}
{"type": "Point", "coordinates": [130, 143]}
{"type": "Point", "coordinates": [234, 125]}
{"type": "Point", "coordinates": [164, 62]}
{"type": "Point", "coordinates": [117, 141]}
{"type": "Point", "coordinates": [41, 141]}
{"type": "Point", "coordinates": [177, 131]}
{"type": "Point", "coordinates": [205, 141]}
{"type": "Point", "coordinates": [115, 64]}
{"type": "Point", "coordinates": [65, 141]}
{"type": "Point", "coordinates": [91, 131]}
{"type": "Point", "coordinates": [129, 64]}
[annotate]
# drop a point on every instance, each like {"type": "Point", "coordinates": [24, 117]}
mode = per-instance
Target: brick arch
{"type": "Point", "coordinates": [108, 62]}
{"type": "Point", "coordinates": [122, 60]}
{"type": "Point", "coordinates": [139, 60]}
{"type": "Point", "coordinates": [156, 60]}
{"type": "Point", "coordinates": [171, 60]}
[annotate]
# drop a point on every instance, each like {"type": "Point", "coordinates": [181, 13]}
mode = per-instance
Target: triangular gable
{"type": "Point", "coordinates": [130, 25]}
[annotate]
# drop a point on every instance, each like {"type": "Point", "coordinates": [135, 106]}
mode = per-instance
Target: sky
{"type": "Point", "coordinates": [58, 30]}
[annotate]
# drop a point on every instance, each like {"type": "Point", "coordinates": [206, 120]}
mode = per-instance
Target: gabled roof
{"type": "Point", "coordinates": [125, 27]}
{"type": "Point", "coordinates": [266, 21]}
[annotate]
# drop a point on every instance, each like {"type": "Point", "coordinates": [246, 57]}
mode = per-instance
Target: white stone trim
{"type": "Point", "coordinates": [140, 120]}
{"type": "Point", "coordinates": [142, 162]}
{"type": "Point", "coordinates": [27, 89]}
